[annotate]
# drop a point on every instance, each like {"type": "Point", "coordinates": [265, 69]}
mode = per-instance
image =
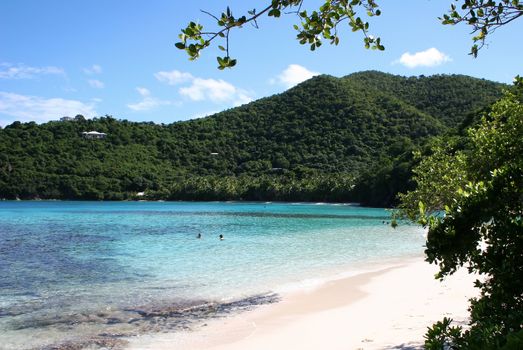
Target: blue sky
{"type": "Point", "coordinates": [98, 57]}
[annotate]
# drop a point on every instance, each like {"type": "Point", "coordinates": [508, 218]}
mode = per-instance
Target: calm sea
{"type": "Point", "coordinates": [89, 274]}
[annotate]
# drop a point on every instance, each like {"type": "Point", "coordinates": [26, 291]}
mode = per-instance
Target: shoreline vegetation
{"type": "Point", "coordinates": [388, 307]}
{"type": "Point", "coordinates": [348, 139]}
{"type": "Point", "coordinates": [142, 199]}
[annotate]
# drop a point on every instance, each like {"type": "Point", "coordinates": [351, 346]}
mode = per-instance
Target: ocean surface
{"type": "Point", "coordinates": [89, 274]}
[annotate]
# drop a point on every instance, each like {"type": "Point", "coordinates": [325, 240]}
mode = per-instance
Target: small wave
{"type": "Point", "coordinates": [310, 284]}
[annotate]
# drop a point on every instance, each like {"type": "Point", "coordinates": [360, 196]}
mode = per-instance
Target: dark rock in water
{"type": "Point", "coordinates": [9, 313]}
{"type": "Point", "coordinates": [66, 320]}
{"type": "Point", "coordinates": [91, 344]}
{"type": "Point", "coordinates": [110, 326]}
{"type": "Point", "coordinates": [113, 320]}
{"type": "Point", "coordinates": [199, 310]}
{"type": "Point", "coordinates": [112, 335]}
{"type": "Point", "coordinates": [134, 320]}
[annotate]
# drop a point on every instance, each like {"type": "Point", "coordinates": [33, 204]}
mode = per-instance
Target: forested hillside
{"type": "Point", "coordinates": [327, 139]}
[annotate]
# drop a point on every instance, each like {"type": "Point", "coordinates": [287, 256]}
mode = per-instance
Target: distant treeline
{"type": "Point", "coordinates": [328, 139]}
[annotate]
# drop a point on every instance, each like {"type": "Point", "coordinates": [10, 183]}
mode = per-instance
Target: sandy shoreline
{"type": "Point", "coordinates": [389, 308]}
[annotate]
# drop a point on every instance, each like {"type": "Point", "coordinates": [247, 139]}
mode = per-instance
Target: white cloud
{"type": "Point", "coordinates": [293, 75]}
{"type": "Point", "coordinates": [97, 84]}
{"type": "Point", "coordinates": [428, 58]}
{"type": "Point", "coordinates": [148, 102]}
{"type": "Point", "coordinates": [203, 114]}
{"type": "Point", "coordinates": [94, 69]}
{"type": "Point", "coordinates": [217, 91]}
{"type": "Point", "coordinates": [143, 91]}
{"type": "Point", "coordinates": [242, 99]}
{"type": "Point", "coordinates": [173, 77]}
{"type": "Point", "coordinates": [33, 108]}
{"type": "Point", "coordinates": [21, 71]}
{"type": "Point", "coordinates": [200, 89]}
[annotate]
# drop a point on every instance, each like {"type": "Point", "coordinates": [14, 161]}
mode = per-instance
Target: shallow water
{"type": "Point", "coordinates": [87, 273]}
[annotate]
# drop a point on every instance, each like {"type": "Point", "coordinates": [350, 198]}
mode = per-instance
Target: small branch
{"type": "Point", "coordinates": [210, 14]}
{"type": "Point", "coordinates": [227, 42]}
{"type": "Point", "coordinates": [297, 10]}
{"type": "Point", "coordinates": [229, 27]}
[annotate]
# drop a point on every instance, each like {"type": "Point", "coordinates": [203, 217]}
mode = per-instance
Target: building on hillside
{"type": "Point", "coordinates": [93, 135]}
{"type": "Point", "coordinates": [66, 119]}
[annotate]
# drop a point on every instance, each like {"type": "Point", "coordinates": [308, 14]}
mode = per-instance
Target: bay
{"type": "Point", "coordinates": [93, 273]}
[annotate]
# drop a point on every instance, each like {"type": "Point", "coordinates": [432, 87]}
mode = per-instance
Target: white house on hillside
{"type": "Point", "coordinates": [94, 135]}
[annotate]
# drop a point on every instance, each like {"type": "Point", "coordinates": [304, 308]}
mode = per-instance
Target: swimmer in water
{"type": "Point", "coordinates": [199, 236]}
{"type": "Point", "coordinates": [221, 238]}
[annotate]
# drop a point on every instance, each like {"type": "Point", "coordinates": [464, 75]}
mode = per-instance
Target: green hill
{"type": "Point", "coordinates": [447, 98]}
{"type": "Point", "coordinates": [324, 139]}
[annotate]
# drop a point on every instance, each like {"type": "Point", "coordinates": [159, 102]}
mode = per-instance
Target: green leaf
{"type": "Point", "coordinates": [421, 208]}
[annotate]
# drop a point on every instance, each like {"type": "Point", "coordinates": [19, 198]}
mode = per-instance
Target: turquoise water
{"type": "Point", "coordinates": [91, 272]}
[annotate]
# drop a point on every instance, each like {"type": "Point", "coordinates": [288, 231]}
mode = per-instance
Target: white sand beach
{"type": "Point", "coordinates": [389, 308]}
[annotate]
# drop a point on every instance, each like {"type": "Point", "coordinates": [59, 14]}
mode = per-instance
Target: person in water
{"type": "Point", "coordinates": [199, 236]}
{"type": "Point", "coordinates": [221, 238]}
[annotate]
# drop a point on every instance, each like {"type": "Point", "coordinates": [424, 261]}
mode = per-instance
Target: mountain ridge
{"type": "Point", "coordinates": [326, 131]}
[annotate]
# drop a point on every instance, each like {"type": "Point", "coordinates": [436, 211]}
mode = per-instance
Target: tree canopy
{"type": "Point", "coordinates": [477, 183]}
{"type": "Point", "coordinates": [318, 24]}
